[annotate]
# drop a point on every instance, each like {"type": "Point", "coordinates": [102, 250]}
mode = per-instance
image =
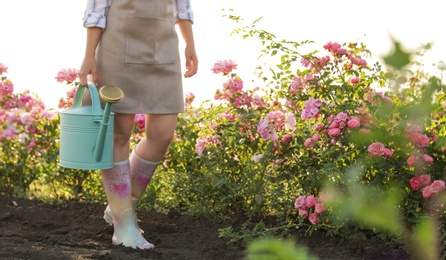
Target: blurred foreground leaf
{"type": "Point", "coordinates": [399, 58]}
{"type": "Point", "coordinates": [275, 249]}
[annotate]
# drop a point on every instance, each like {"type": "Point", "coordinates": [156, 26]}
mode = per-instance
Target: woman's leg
{"type": "Point", "coordinates": [117, 185]}
{"type": "Point", "coordinates": [159, 130]}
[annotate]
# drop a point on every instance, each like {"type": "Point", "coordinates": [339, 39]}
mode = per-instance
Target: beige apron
{"type": "Point", "coordinates": [138, 52]}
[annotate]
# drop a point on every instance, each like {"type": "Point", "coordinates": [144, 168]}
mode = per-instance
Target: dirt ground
{"type": "Point", "coordinates": [31, 229]}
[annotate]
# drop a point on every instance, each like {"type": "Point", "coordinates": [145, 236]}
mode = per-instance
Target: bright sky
{"type": "Point", "coordinates": [39, 38]}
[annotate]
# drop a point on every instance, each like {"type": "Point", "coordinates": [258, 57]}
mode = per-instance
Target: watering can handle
{"type": "Point", "coordinates": [96, 103]}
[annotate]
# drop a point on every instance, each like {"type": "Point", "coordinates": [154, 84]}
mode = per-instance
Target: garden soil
{"type": "Point", "coordinates": [31, 229]}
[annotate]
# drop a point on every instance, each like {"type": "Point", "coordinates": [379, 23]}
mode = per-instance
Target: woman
{"type": "Point", "coordinates": [132, 44]}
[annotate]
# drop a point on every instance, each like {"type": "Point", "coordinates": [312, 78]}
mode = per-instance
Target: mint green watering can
{"type": "Point", "coordinates": [86, 132]}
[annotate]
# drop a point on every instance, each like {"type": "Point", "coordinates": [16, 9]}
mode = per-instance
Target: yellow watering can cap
{"type": "Point", "coordinates": [111, 93]}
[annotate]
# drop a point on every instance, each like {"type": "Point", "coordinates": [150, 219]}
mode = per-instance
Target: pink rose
{"type": "Point", "coordinates": [425, 180]}
{"type": "Point", "coordinates": [224, 67]}
{"type": "Point", "coordinates": [318, 127]}
{"type": "Point", "coordinates": [437, 186]}
{"type": "Point", "coordinates": [375, 149]}
{"type": "Point", "coordinates": [415, 183]}
{"type": "Point", "coordinates": [341, 117]}
{"type": "Point", "coordinates": [310, 201]}
{"type": "Point", "coordinates": [309, 143]}
{"type": "Point", "coordinates": [299, 202]}
{"type": "Point", "coordinates": [427, 192]}
{"type": "Point", "coordinates": [313, 218]}
{"type": "Point", "coordinates": [433, 136]}
{"type": "Point", "coordinates": [319, 208]}
{"type": "Point", "coordinates": [428, 159]}
{"type": "Point", "coordinates": [334, 132]}
{"type": "Point", "coordinates": [420, 140]}
{"type": "Point", "coordinates": [412, 160]}
{"type": "Point", "coordinates": [387, 153]}
{"type": "Point", "coordinates": [303, 212]}
{"type": "Point", "coordinates": [199, 146]}
{"type": "Point", "coordinates": [353, 123]}
{"type": "Point", "coordinates": [354, 80]}
{"type": "Point", "coordinates": [335, 124]}
{"type": "Point", "coordinates": [287, 138]}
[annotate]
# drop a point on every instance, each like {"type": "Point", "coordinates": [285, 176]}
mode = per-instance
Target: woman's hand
{"type": "Point", "coordinates": [190, 53]}
{"type": "Point", "coordinates": [191, 61]}
{"type": "Point", "coordinates": [88, 67]}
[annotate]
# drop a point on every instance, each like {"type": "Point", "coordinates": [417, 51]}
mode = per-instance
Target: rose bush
{"type": "Point", "coordinates": [27, 134]}
{"type": "Point", "coordinates": [29, 151]}
{"type": "Point", "coordinates": [272, 149]}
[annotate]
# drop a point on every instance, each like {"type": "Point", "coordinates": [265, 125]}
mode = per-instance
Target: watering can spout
{"type": "Point", "coordinates": [110, 94]}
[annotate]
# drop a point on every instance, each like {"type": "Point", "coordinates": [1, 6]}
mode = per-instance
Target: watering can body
{"type": "Point", "coordinates": [80, 129]}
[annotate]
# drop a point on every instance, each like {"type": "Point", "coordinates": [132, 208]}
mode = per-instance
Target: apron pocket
{"type": "Point", "coordinates": [150, 41]}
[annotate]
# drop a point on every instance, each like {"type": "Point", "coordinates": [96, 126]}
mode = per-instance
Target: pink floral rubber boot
{"type": "Point", "coordinates": [117, 187]}
{"type": "Point", "coordinates": [141, 173]}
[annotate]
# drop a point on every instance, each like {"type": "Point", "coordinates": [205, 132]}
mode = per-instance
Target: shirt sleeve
{"type": "Point", "coordinates": [95, 13]}
{"type": "Point", "coordinates": [183, 10]}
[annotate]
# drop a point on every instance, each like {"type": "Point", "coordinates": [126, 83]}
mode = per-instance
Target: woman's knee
{"type": "Point", "coordinates": [123, 129]}
{"type": "Point", "coordinates": [161, 128]}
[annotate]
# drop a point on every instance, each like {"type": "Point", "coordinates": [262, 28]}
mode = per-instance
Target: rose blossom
{"type": "Point", "coordinates": [68, 75]}
{"type": "Point", "coordinates": [334, 132]}
{"type": "Point", "coordinates": [420, 140]}
{"type": "Point", "coordinates": [335, 124]}
{"type": "Point", "coordinates": [290, 121]}
{"type": "Point", "coordinates": [303, 212]}
{"type": "Point", "coordinates": [353, 123]}
{"type": "Point", "coordinates": [225, 66]}
{"type": "Point", "coordinates": [299, 202]}
{"type": "Point", "coordinates": [427, 192]}
{"type": "Point", "coordinates": [319, 208]}
{"type": "Point", "coordinates": [354, 80]}
{"type": "Point", "coordinates": [287, 138]}
{"type": "Point", "coordinates": [318, 127]}
{"type": "Point", "coordinates": [387, 153]}
{"type": "Point", "coordinates": [425, 180]}
{"type": "Point", "coordinates": [428, 159]}
{"type": "Point", "coordinates": [412, 160]}
{"type": "Point", "coordinates": [433, 137]}
{"type": "Point", "coordinates": [199, 146]}
{"type": "Point", "coordinates": [415, 183]}
{"type": "Point", "coordinates": [311, 141]}
{"type": "Point", "coordinates": [313, 218]}
{"type": "Point", "coordinates": [310, 201]}
{"type": "Point", "coordinates": [437, 186]}
{"type": "Point", "coordinates": [375, 149]}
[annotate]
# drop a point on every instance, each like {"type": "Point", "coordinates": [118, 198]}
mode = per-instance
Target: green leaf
{"type": "Point", "coordinates": [399, 58]}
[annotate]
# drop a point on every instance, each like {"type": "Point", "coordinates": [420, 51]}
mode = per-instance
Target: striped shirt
{"type": "Point", "coordinates": [96, 12]}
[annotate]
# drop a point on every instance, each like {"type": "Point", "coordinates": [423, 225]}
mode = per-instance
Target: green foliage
{"type": "Point", "coordinates": [269, 249]}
